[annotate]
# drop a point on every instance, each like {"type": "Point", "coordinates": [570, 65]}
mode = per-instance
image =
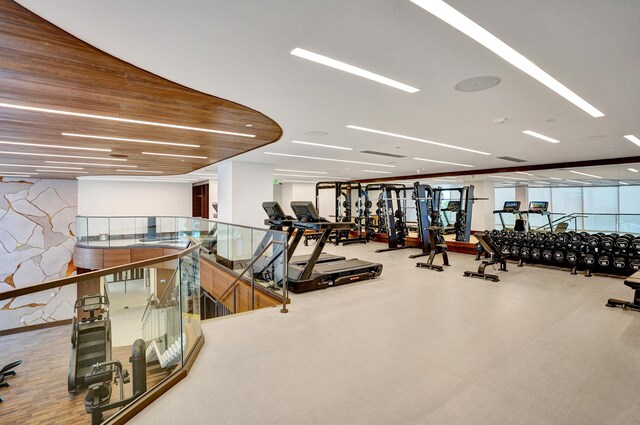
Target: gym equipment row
{"type": "Point", "coordinates": [599, 252]}
{"type": "Point", "coordinates": [318, 270]}
{"type": "Point", "coordinates": [343, 210]}
{"type": "Point", "coordinates": [522, 217]}
{"type": "Point", "coordinates": [7, 371]}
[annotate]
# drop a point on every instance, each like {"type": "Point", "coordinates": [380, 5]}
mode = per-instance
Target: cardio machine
{"type": "Point", "coordinates": [90, 339]}
{"type": "Point", "coordinates": [313, 275]}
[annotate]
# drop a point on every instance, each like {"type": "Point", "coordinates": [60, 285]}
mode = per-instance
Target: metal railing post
{"type": "Point", "coordinates": [285, 280]}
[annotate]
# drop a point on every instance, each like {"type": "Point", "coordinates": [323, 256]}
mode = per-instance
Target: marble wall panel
{"type": "Point", "coordinates": [37, 238]}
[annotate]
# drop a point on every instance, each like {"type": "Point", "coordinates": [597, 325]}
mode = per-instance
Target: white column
{"type": "Point", "coordinates": [213, 197]}
{"type": "Point", "coordinates": [242, 188]}
{"type": "Point", "coordinates": [522, 195]}
{"type": "Point", "coordinates": [482, 218]}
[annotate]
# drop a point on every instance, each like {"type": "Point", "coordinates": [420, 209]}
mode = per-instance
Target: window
{"type": "Point", "coordinates": [503, 194]}
{"type": "Point", "coordinates": [538, 194]}
{"type": "Point", "coordinates": [600, 204]}
{"type": "Point", "coordinates": [629, 204]}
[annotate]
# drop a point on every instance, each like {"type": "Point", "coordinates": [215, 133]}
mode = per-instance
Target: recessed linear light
{"type": "Point", "coordinates": [507, 177]}
{"type": "Point", "coordinates": [378, 172]}
{"type": "Point", "coordinates": [141, 171]}
{"type": "Point", "coordinates": [328, 159]}
{"type": "Point", "coordinates": [577, 181]}
{"type": "Point", "coordinates": [555, 178]}
{"type": "Point", "coordinates": [310, 177]}
{"type": "Point", "coordinates": [323, 60]}
{"type": "Point", "coordinates": [122, 139]}
{"type": "Point", "coordinates": [624, 183]}
{"type": "Point", "coordinates": [15, 172]}
{"type": "Point", "coordinates": [585, 174]}
{"type": "Point", "coordinates": [523, 173]}
{"type": "Point", "coordinates": [633, 170]}
{"type": "Point", "coordinates": [41, 166]}
{"type": "Point", "coordinates": [300, 171]}
{"type": "Point", "coordinates": [443, 162]}
{"type": "Point", "coordinates": [321, 145]}
{"type": "Point", "coordinates": [457, 20]}
{"type": "Point", "coordinates": [41, 145]}
{"type": "Point", "coordinates": [16, 176]}
{"type": "Point", "coordinates": [415, 139]}
{"type": "Point", "coordinates": [103, 117]}
{"type": "Point", "coordinates": [139, 180]}
{"type": "Point", "coordinates": [633, 139]}
{"type": "Point", "coordinates": [64, 171]}
{"type": "Point", "coordinates": [541, 182]}
{"type": "Point", "coordinates": [48, 155]}
{"type": "Point", "coordinates": [540, 136]}
{"type": "Point", "coordinates": [175, 155]}
{"type": "Point", "coordinates": [90, 164]}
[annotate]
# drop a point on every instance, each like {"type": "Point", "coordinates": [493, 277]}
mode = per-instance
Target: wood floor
{"type": "Point", "coordinates": [38, 393]}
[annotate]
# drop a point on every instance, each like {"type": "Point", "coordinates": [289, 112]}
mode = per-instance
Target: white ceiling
{"type": "Point", "coordinates": [239, 50]}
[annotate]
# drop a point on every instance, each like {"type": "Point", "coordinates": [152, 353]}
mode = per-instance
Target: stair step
{"type": "Point", "coordinates": [91, 346]}
{"type": "Point", "coordinates": [91, 334]}
{"type": "Point", "coordinates": [86, 360]}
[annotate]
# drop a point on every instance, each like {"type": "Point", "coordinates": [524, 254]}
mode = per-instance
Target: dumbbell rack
{"type": "Point", "coordinates": [610, 254]}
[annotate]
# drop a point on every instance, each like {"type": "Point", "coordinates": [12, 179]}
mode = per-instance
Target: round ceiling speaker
{"type": "Point", "coordinates": [477, 83]}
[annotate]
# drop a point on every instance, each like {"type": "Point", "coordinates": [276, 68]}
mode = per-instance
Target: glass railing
{"type": "Point", "coordinates": [234, 247]}
{"type": "Point", "coordinates": [133, 327]}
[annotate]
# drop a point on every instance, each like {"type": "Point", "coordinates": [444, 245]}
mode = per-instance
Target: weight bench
{"type": "Point", "coordinates": [632, 282]}
{"type": "Point", "coordinates": [496, 258]}
{"type": "Point", "coordinates": [437, 247]}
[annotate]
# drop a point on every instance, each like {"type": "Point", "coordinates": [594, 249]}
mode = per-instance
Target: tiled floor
{"type": "Point", "coordinates": [420, 347]}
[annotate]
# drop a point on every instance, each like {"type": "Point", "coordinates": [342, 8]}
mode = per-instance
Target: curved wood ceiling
{"type": "Point", "coordinates": [42, 66]}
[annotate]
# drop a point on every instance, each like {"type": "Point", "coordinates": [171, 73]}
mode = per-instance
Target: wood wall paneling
{"type": "Point", "coordinates": [116, 257]}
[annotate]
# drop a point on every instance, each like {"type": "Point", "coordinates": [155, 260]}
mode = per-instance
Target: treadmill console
{"type": "Point", "coordinates": [511, 206]}
{"type": "Point", "coordinates": [538, 207]}
{"type": "Point", "coordinates": [275, 211]}
{"type": "Point", "coordinates": [306, 212]}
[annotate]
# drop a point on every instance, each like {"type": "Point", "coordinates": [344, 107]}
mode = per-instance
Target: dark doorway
{"type": "Point", "coordinates": [200, 200]}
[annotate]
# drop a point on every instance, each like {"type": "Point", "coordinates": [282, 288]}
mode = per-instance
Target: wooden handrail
{"type": "Point", "coordinates": [93, 275]}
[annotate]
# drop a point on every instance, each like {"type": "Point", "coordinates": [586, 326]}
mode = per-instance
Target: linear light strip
{"type": "Point", "coordinates": [141, 171]}
{"type": "Point", "coordinates": [174, 155]}
{"type": "Point", "coordinates": [378, 172]}
{"type": "Point", "coordinates": [415, 139]}
{"type": "Point", "coordinates": [328, 159]}
{"type": "Point", "coordinates": [443, 162]}
{"type": "Point", "coordinates": [64, 171]}
{"type": "Point", "coordinates": [324, 60]}
{"type": "Point", "coordinates": [540, 136]}
{"type": "Point", "coordinates": [42, 145]}
{"type": "Point", "coordinates": [139, 180]}
{"type": "Point", "coordinates": [633, 170]}
{"type": "Point", "coordinates": [632, 139]}
{"type": "Point", "coordinates": [523, 173]}
{"type": "Point", "coordinates": [122, 139]}
{"type": "Point", "coordinates": [41, 166]}
{"type": "Point", "coordinates": [451, 16]}
{"type": "Point", "coordinates": [624, 183]}
{"type": "Point", "coordinates": [130, 121]}
{"type": "Point", "coordinates": [555, 178]}
{"type": "Point", "coordinates": [90, 164]}
{"type": "Point", "coordinates": [300, 171]}
{"type": "Point", "coordinates": [585, 174]}
{"type": "Point", "coordinates": [15, 172]}
{"type": "Point", "coordinates": [577, 181]}
{"type": "Point", "coordinates": [507, 177]}
{"type": "Point", "coordinates": [309, 177]}
{"type": "Point", "coordinates": [17, 175]}
{"type": "Point", "coordinates": [61, 156]}
{"type": "Point", "coordinates": [321, 145]}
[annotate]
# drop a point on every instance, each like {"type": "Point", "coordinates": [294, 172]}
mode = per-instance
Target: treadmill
{"type": "Point", "coordinates": [510, 207]}
{"type": "Point", "coordinates": [312, 276]}
{"type": "Point", "coordinates": [278, 220]}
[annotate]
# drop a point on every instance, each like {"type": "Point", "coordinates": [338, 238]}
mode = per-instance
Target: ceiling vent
{"type": "Point", "coordinates": [392, 155]}
{"type": "Point", "coordinates": [509, 158]}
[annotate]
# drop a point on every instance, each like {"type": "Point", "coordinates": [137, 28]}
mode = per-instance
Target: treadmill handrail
{"type": "Point", "coordinates": [250, 266]}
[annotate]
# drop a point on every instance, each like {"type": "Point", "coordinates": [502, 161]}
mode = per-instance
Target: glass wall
{"type": "Point", "coordinates": [601, 209]}
{"type": "Point", "coordinates": [503, 194]}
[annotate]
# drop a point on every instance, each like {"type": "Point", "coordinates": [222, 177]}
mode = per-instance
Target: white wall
{"type": "Point", "coordinates": [127, 198]}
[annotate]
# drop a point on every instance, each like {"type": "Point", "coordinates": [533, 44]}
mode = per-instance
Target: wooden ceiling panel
{"type": "Point", "coordinates": [42, 66]}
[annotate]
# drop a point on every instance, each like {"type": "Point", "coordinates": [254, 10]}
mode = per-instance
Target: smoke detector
{"type": "Point", "coordinates": [500, 120]}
